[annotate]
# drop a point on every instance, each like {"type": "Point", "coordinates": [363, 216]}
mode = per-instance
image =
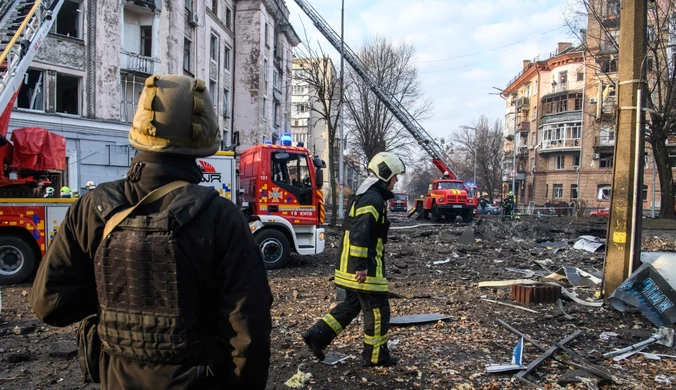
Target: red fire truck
{"type": "Point", "coordinates": [399, 202]}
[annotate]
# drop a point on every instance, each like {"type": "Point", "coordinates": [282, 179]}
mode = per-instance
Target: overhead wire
{"type": "Point", "coordinates": [487, 61]}
{"type": "Point", "coordinates": [495, 48]}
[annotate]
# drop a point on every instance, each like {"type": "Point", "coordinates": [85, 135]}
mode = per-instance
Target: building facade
{"type": "Point", "coordinates": [565, 110]}
{"type": "Point", "coordinates": [88, 75]}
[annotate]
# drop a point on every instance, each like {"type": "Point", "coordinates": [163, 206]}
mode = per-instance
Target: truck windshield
{"type": "Point", "coordinates": [400, 196]}
{"type": "Point", "coordinates": [451, 186]}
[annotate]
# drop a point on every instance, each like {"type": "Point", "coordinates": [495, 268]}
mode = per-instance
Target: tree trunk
{"type": "Point", "coordinates": [666, 180]}
{"type": "Point", "coordinates": [332, 179]}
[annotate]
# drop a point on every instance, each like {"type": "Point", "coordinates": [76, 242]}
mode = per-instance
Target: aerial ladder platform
{"type": "Point", "coordinates": [23, 27]}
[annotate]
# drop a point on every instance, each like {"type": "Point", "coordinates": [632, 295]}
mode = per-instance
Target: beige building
{"type": "Point", "coordinates": [561, 112]}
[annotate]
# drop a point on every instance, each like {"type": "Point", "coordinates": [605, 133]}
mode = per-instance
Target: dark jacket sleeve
{"type": "Point", "coordinates": [245, 303]}
{"type": "Point", "coordinates": [366, 216]}
{"type": "Point", "coordinates": [64, 290]}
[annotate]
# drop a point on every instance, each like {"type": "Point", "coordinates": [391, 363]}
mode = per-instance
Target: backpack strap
{"type": "Point", "coordinates": [150, 198]}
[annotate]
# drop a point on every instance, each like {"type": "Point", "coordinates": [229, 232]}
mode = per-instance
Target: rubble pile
{"type": "Point", "coordinates": [464, 274]}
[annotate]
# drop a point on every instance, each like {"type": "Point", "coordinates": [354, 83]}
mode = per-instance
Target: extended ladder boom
{"type": "Point", "coordinates": [399, 112]}
{"type": "Point", "coordinates": [23, 26]}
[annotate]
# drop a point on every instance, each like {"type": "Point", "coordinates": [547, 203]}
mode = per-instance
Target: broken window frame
{"type": "Point", "coordinates": [557, 191]}
{"type": "Point", "coordinates": [187, 55]}
{"type": "Point", "coordinates": [128, 107]}
{"type": "Point", "coordinates": [603, 192]}
{"type": "Point", "coordinates": [58, 21]}
{"type": "Point", "coordinates": [226, 103]}
{"type": "Point", "coordinates": [37, 95]}
{"type": "Point", "coordinates": [226, 57]}
{"type": "Point", "coordinates": [58, 96]}
{"type": "Point", "coordinates": [606, 160]}
{"type": "Point", "coordinates": [574, 191]}
{"type": "Point", "coordinates": [146, 51]}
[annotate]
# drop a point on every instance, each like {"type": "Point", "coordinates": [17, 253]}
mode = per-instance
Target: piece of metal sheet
{"type": "Point", "coordinates": [418, 319]}
{"type": "Point", "coordinates": [333, 358]}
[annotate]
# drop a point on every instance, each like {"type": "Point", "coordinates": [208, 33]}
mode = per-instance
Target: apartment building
{"type": "Point", "coordinates": [561, 121]}
{"type": "Point", "coordinates": [88, 75]}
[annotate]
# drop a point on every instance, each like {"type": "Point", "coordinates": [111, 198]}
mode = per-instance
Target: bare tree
{"type": "Point", "coordinates": [319, 74]}
{"type": "Point", "coordinates": [601, 18]}
{"type": "Point", "coordinates": [485, 140]}
{"type": "Point", "coordinates": [373, 128]}
{"type": "Point", "coordinates": [421, 173]}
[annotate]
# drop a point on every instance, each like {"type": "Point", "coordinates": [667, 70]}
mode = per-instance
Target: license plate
{"type": "Point", "coordinates": [457, 206]}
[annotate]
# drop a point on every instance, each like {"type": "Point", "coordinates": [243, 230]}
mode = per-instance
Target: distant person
{"type": "Point", "coordinates": [360, 268]}
{"type": "Point", "coordinates": [446, 175]}
{"type": "Point", "coordinates": [49, 192]}
{"type": "Point", "coordinates": [90, 185]}
{"type": "Point", "coordinates": [548, 207]}
{"type": "Point", "coordinates": [571, 208]}
{"type": "Point", "coordinates": [483, 204]}
{"type": "Point", "coordinates": [508, 204]}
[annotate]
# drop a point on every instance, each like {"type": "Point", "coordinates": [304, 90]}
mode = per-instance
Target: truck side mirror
{"type": "Point", "coordinates": [319, 177]}
{"type": "Point", "coordinates": [319, 163]}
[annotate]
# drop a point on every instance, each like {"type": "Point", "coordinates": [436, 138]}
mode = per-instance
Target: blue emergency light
{"type": "Point", "coordinates": [286, 139]}
{"type": "Point", "coordinates": [267, 142]}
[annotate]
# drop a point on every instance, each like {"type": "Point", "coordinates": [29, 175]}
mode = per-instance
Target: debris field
{"type": "Point", "coordinates": [431, 270]}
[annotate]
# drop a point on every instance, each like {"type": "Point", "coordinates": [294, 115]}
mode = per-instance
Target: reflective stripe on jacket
{"type": "Point", "coordinates": [363, 243]}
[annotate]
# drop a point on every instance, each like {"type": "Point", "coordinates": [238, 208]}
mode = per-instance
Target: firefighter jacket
{"type": "Point", "coordinates": [363, 244]}
{"type": "Point", "coordinates": [219, 245]}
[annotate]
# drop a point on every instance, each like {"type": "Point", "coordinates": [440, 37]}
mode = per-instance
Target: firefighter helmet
{"type": "Point", "coordinates": [65, 190]}
{"type": "Point", "coordinates": [175, 115]}
{"type": "Point", "coordinates": [49, 190]}
{"type": "Point", "coordinates": [446, 173]}
{"type": "Point", "coordinates": [385, 165]}
{"type": "Point", "coordinates": [90, 185]}
{"type": "Point", "coordinates": [510, 193]}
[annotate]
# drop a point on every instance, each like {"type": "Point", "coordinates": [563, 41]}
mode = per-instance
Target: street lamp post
{"type": "Point", "coordinates": [514, 152]}
{"type": "Point", "coordinates": [474, 151]}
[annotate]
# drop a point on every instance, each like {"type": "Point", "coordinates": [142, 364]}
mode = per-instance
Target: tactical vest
{"type": "Point", "coordinates": [376, 277]}
{"type": "Point", "coordinates": [151, 296]}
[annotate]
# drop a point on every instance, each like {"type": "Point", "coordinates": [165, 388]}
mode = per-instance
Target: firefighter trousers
{"type": "Point", "coordinates": [376, 309]}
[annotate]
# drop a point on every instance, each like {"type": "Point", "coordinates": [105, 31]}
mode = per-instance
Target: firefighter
{"type": "Point", "coordinates": [446, 175]}
{"type": "Point", "coordinates": [173, 290]}
{"type": "Point", "coordinates": [90, 185]}
{"type": "Point", "coordinates": [508, 204]}
{"type": "Point", "coordinates": [360, 268]}
{"type": "Point", "coordinates": [49, 192]}
{"type": "Point", "coordinates": [64, 192]}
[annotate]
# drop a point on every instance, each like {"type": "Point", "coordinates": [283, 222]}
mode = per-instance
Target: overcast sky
{"type": "Point", "coordinates": [464, 47]}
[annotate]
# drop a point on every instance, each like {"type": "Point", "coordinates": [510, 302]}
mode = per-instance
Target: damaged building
{"type": "Point", "coordinates": [87, 77]}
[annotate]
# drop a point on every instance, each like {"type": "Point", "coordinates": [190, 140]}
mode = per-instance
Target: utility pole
{"type": "Point", "coordinates": [341, 164]}
{"type": "Point", "coordinates": [626, 208]}
{"type": "Point", "coordinates": [514, 153]}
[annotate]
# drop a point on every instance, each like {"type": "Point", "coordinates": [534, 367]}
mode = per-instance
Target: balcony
{"type": "Point", "coordinates": [524, 127]}
{"type": "Point", "coordinates": [559, 87]}
{"type": "Point", "coordinates": [559, 145]}
{"type": "Point", "coordinates": [607, 47]}
{"type": "Point", "coordinates": [521, 176]}
{"type": "Point", "coordinates": [523, 101]}
{"type": "Point", "coordinates": [137, 63]}
{"type": "Point", "coordinates": [605, 141]}
{"type": "Point", "coordinates": [522, 151]}
{"type": "Point", "coordinates": [145, 3]}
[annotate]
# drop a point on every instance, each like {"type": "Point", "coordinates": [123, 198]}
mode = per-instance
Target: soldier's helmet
{"type": "Point", "coordinates": [175, 115]}
{"type": "Point", "coordinates": [385, 165]}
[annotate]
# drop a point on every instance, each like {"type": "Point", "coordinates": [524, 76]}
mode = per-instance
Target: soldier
{"type": "Point", "coordinates": [167, 269]}
{"type": "Point", "coordinates": [360, 269]}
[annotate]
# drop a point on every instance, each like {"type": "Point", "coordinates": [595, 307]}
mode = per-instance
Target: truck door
{"type": "Point", "coordinates": [290, 171]}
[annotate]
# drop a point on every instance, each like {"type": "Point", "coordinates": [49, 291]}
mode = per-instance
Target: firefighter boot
{"type": "Point", "coordinates": [390, 361]}
{"type": "Point", "coordinates": [314, 346]}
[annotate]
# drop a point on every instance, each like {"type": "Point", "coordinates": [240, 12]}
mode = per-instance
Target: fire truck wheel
{"type": "Point", "coordinates": [467, 216]}
{"type": "Point", "coordinates": [274, 247]}
{"type": "Point", "coordinates": [17, 260]}
{"type": "Point", "coordinates": [436, 214]}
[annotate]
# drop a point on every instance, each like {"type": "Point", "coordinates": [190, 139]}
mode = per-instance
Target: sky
{"type": "Point", "coordinates": [463, 48]}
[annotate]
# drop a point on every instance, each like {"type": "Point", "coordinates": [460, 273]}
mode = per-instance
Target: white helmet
{"type": "Point", "coordinates": [446, 173]}
{"type": "Point", "coordinates": [385, 165]}
{"type": "Point", "coordinates": [49, 190]}
{"type": "Point", "coordinates": [90, 185]}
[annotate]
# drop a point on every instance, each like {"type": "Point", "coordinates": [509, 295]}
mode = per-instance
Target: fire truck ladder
{"type": "Point", "coordinates": [399, 112]}
{"type": "Point", "coordinates": [23, 26]}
